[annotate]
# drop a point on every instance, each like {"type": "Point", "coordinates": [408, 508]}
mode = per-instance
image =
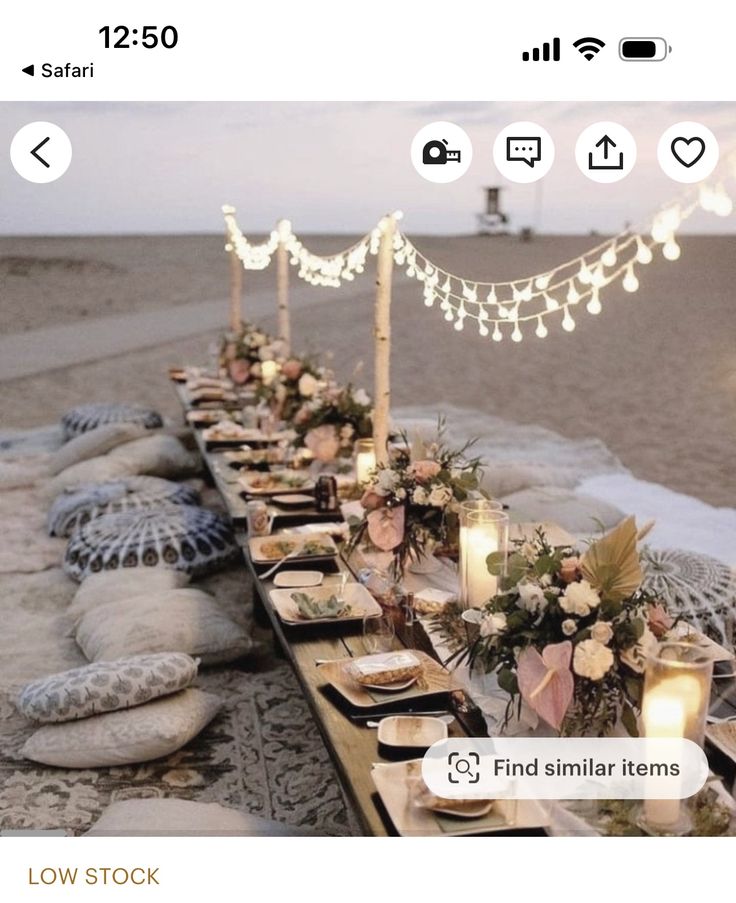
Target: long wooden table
{"type": "Point", "coordinates": [353, 746]}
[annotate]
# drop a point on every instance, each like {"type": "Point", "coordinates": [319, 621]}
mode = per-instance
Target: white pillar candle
{"type": "Point", "coordinates": [477, 542]}
{"type": "Point", "coordinates": [663, 716]}
{"type": "Point", "coordinates": [365, 460]}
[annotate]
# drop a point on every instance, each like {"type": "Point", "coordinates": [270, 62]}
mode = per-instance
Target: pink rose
{"type": "Point", "coordinates": [386, 527]}
{"type": "Point", "coordinates": [239, 371]}
{"type": "Point", "coordinates": [425, 470]}
{"type": "Point", "coordinates": [372, 500]}
{"type": "Point", "coordinates": [659, 621]}
{"type": "Point", "coordinates": [292, 369]}
{"type": "Point", "coordinates": [323, 442]}
{"type": "Point", "coordinates": [569, 569]}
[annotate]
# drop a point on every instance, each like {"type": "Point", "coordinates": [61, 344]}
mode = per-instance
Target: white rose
{"type": "Point", "coordinates": [362, 398]}
{"type": "Point", "coordinates": [569, 626]}
{"type": "Point", "coordinates": [592, 659]}
{"type": "Point", "coordinates": [493, 624]}
{"type": "Point", "coordinates": [602, 632]}
{"type": "Point", "coordinates": [386, 481]}
{"type": "Point", "coordinates": [419, 496]}
{"type": "Point", "coordinates": [579, 599]}
{"type": "Point", "coordinates": [440, 496]}
{"type": "Point", "coordinates": [635, 657]}
{"type": "Point", "coordinates": [307, 385]}
{"type": "Point", "coordinates": [531, 597]}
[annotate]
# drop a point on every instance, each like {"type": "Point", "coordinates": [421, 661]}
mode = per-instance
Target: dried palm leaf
{"type": "Point", "coordinates": [611, 565]}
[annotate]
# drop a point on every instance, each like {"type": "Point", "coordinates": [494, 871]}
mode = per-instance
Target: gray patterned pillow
{"type": "Point", "coordinates": [146, 732]}
{"type": "Point", "coordinates": [106, 686]}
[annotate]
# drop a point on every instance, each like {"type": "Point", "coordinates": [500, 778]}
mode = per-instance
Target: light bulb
{"type": "Point", "coordinates": [609, 257]}
{"type": "Point", "coordinates": [541, 330]}
{"type": "Point", "coordinates": [630, 283]}
{"type": "Point", "coordinates": [516, 335]}
{"type": "Point", "coordinates": [568, 324]}
{"type": "Point", "coordinates": [594, 305]}
{"type": "Point", "coordinates": [497, 334]}
{"type": "Point", "coordinates": [671, 250]}
{"type": "Point", "coordinates": [643, 252]}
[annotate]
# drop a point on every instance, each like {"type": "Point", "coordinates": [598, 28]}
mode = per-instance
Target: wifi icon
{"type": "Point", "coordinates": [588, 47]}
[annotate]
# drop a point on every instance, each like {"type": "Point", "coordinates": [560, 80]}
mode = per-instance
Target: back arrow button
{"type": "Point", "coordinates": [34, 152]}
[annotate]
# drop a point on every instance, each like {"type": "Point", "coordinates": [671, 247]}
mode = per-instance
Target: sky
{"type": "Point", "coordinates": [329, 167]}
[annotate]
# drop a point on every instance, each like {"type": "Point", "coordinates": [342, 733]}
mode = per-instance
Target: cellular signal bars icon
{"type": "Point", "coordinates": [548, 52]}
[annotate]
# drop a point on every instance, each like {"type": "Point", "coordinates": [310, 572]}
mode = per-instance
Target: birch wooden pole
{"type": "Point", "coordinates": [236, 291]}
{"type": "Point", "coordinates": [282, 285]}
{"type": "Point", "coordinates": [382, 336]}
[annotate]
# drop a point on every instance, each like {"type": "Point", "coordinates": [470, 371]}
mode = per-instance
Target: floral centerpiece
{"type": "Point", "coordinates": [329, 423]}
{"type": "Point", "coordinates": [568, 634]}
{"type": "Point", "coordinates": [297, 380]}
{"type": "Point", "coordinates": [243, 354]}
{"type": "Point", "coordinates": [412, 503]}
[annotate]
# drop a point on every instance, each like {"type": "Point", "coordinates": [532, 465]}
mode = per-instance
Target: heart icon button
{"type": "Point", "coordinates": [688, 151]}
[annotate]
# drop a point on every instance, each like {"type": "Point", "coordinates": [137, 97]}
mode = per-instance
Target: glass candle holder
{"type": "Point", "coordinates": [677, 683]}
{"type": "Point", "coordinates": [484, 529]}
{"type": "Point", "coordinates": [365, 460]}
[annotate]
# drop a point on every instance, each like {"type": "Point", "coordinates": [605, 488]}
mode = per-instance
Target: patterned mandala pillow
{"type": "Point", "coordinates": [106, 687]}
{"type": "Point", "coordinates": [76, 507]}
{"type": "Point", "coordinates": [145, 732]}
{"type": "Point", "coordinates": [183, 537]}
{"type": "Point", "coordinates": [87, 417]}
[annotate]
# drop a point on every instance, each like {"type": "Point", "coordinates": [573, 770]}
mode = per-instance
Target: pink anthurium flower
{"type": "Point", "coordinates": [546, 682]}
{"type": "Point", "coordinates": [386, 527]}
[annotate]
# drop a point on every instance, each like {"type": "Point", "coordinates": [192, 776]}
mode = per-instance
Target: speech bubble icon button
{"type": "Point", "coordinates": [523, 152]}
{"type": "Point", "coordinates": [527, 149]}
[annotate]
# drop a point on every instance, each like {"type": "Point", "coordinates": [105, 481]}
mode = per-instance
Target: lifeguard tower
{"type": "Point", "coordinates": [492, 221]}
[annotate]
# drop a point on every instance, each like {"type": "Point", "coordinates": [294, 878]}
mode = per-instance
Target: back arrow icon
{"type": "Point", "coordinates": [38, 148]}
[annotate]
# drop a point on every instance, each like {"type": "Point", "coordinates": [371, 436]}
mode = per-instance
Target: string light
{"type": "Point", "coordinates": [490, 304]}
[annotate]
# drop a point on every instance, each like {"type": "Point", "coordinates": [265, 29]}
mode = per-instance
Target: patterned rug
{"type": "Point", "coordinates": [262, 754]}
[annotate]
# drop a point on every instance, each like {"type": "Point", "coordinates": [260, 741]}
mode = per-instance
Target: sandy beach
{"type": "Point", "coordinates": [654, 376]}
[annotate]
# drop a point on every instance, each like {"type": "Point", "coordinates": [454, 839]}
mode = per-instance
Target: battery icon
{"type": "Point", "coordinates": [643, 50]}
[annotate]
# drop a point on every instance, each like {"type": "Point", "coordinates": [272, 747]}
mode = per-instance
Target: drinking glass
{"type": "Point", "coordinates": [378, 633]}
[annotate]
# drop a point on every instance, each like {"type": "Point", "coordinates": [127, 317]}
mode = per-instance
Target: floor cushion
{"type": "Point", "coordinates": [86, 417]}
{"type": "Point", "coordinates": [581, 515]}
{"type": "Point", "coordinates": [140, 734]}
{"type": "Point", "coordinates": [175, 817]}
{"type": "Point", "coordinates": [106, 687]}
{"type": "Point", "coordinates": [109, 586]}
{"type": "Point", "coordinates": [76, 507]}
{"type": "Point", "coordinates": [96, 442]}
{"type": "Point", "coordinates": [184, 537]}
{"type": "Point", "coordinates": [181, 620]}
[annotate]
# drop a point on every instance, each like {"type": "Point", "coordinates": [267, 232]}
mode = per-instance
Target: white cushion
{"type": "Point", "coordinates": [579, 514]}
{"type": "Point", "coordinates": [182, 817]}
{"type": "Point", "coordinates": [146, 732]}
{"type": "Point", "coordinates": [94, 443]}
{"type": "Point", "coordinates": [101, 469]}
{"type": "Point", "coordinates": [180, 620]}
{"type": "Point", "coordinates": [503, 477]}
{"type": "Point", "coordinates": [110, 586]}
{"type": "Point", "coordinates": [157, 456]}
{"type": "Point", "coordinates": [106, 687]}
